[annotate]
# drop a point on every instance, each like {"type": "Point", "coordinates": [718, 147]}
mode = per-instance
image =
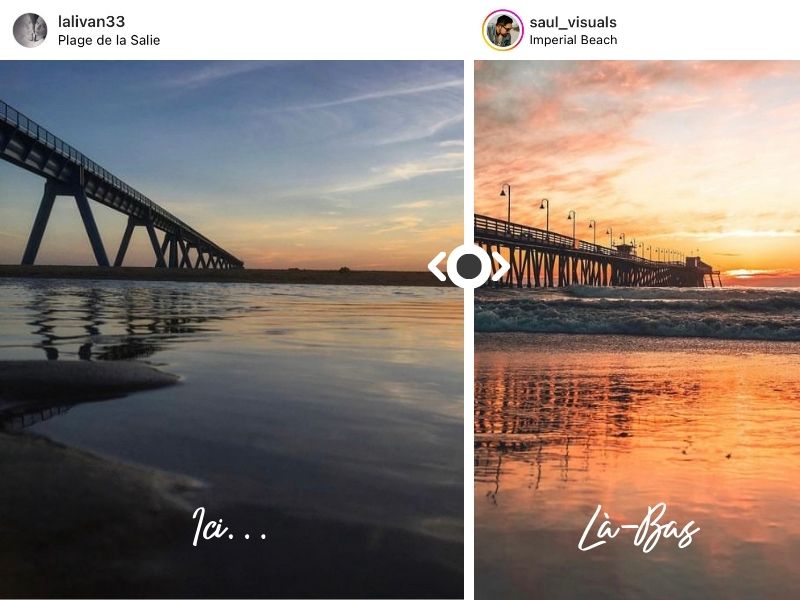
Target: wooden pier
{"type": "Point", "coordinates": [540, 258]}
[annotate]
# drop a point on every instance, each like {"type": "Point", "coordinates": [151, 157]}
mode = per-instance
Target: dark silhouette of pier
{"type": "Point", "coordinates": [540, 258]}
{"type": "Point", "coordinates": [68, 172]}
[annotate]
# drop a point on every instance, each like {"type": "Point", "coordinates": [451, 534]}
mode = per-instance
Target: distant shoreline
{"type": "Point", "coordinates": [285, 276]}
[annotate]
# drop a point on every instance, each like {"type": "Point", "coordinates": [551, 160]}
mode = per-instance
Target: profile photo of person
{"type": "Point", "coordinates": [500, 31]}
{"type": "Point", "coordinates": [30, 30]}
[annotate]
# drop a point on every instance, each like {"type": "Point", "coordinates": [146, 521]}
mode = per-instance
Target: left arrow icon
{"type": "Point", "coordinates": [433, 266]}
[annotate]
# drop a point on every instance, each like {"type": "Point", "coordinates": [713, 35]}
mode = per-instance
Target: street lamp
{"type": "Point", "coordinates": [641, 244]}
{"type": "Point", "coordinates": [503, 193]}
{"type": "Point", "coordinates": [650, 250]}
{"type": "Point", "coordinates": [546, 205]}
{"type": "Point", "coordinates": [593, 227]}
{"type": "Point", "coordinates": [572, 216]}
{"type": "Point", "coordinates": [622, 237]}
{"type": "Point", "coordinates": [610, 232]}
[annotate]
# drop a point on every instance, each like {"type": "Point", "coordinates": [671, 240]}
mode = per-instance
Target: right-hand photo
{"type": "Point", "coordinates": [636, 416]}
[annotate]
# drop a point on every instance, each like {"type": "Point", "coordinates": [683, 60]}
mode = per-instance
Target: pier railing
{"type": "Point", "coordinates": [27, 125]}
{"type": "Point", "coordinates": [523, 234]}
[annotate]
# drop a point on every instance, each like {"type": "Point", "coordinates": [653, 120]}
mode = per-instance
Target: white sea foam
{"type": "Point", "coordinates": [728, 313]}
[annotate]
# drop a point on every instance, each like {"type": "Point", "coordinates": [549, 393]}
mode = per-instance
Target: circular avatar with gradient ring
{"type": "Point", "coordinates": [503, 30]}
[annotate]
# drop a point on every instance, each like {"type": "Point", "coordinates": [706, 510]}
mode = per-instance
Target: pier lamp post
{"type": "Point", "coordinates": [572, 216]}
{"type": "Point", "coordinates": [610, 232]}
{"type": "Point", "coordinates": [650, 250]}
{"type": "Point", "coordinates": [622, 237]}
{"type": "Point", "coordinates": [593, 227]}
{"type": "Point", "coordinates": [658, 254]}
{"type": "Point", "coordinates": [545, 205]}
{"type": "Point", "coordinates": [503, 193]}
{"type": "Point", "coordinates": [641, 245]}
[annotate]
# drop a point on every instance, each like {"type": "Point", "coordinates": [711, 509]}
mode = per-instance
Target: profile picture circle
{"type": "Point", "coordinates": [503, 30]}
{"type": "Point", "coordinates": [30, 30]}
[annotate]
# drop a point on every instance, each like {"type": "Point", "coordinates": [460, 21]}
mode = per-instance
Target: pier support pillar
{"type": "Point", "coordinates": [151, 231]}
{"type": "Point", "coordinates": [51, 190]}
{"type": "Point", "coordinates": [39, 225]}
{"type": "Point", "coordinates": [184, 248]}
{"type": "Point", "coordinates": [173, 252]}
{"type": "Point", "coordinates": [91, 227]}
{"type": "Point", "coordinates": [126, 239]}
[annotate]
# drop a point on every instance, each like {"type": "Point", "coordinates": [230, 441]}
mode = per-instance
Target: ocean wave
{"type": "Point", "coordinates": [755, 314]}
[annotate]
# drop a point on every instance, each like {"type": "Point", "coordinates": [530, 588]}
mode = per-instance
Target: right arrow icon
{"type": "Point", "coordinates": [504, 266]}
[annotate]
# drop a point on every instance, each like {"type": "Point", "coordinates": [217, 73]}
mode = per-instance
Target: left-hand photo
{"type": "Point", "coordinates": [224, 368]}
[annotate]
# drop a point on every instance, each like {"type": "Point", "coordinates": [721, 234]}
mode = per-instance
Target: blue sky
{"type": "Point", "coordinates": [308, 164]}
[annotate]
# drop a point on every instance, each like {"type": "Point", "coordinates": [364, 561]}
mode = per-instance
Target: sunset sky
{"type": "Point", "coordinates": [680, 155]}
{"type": "Point", "coordinates": [284, 164]}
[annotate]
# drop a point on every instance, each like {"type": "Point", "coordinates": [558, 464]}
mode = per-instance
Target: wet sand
{"type": "Point", "coordinates": [71, 519]}
{"type": "Point", "coordinates": [75, 524]}
{"type": "Point", "coordinates": [27, 382]}
{"type": "Point", "coordinates": [288, 276]}
{"type": "Point", "coordinates": [350, 471]}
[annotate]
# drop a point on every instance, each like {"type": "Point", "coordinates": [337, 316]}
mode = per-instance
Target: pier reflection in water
{"type": "Point", "coordinates": [88, 323]}
{"type": "Point", "coordinates": [123, 323]}
{"type": "Point", "coordinates": [566, 422]}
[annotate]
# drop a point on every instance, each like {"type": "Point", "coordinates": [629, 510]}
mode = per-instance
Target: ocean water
{"type": "Point", "coordinates": [720, 313]}
{"type": "Point", "coordinates": [625, 399]}
{"type": "Point", "coordinates": [332, 415]}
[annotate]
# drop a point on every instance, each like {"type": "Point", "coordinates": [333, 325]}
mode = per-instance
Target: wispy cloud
{"type": "Point", "coordinates": [206, 74]}
{"type": "Point", "coordinates": [381, 94]}
{"type": "Point", "coordinates": [444, 163]}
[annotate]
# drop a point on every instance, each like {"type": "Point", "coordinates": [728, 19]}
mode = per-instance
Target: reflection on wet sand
{"type": "Point", "coordinates": [564, 423]}
{"type": "Point", "coordinates": [19, 419]}
{"type": "Point", "coordinates": [33, 391]}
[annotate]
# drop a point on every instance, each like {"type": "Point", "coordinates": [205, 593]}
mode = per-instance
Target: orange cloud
{"type": "Point", "coordinates": [650, 148]}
